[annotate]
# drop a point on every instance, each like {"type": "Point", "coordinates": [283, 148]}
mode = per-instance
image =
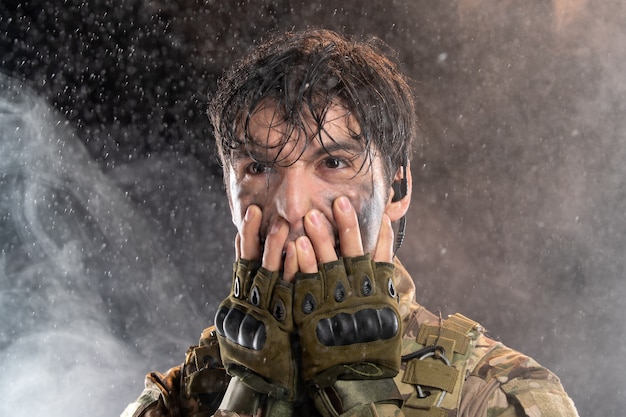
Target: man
{"type": "Point", "coordinates": [314, 133]}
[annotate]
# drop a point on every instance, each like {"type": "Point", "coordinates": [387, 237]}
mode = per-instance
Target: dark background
{"type": "Point", "coordinates": [115, 237]}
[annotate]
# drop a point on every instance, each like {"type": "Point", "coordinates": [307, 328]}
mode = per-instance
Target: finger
{"type": "Point", "coordinates": [250, 242]}
{"type": "Point", "coordinates": [384, 246]}
{"type": "Point", "coordinates": [274, 243]}
{"type": "Point", "coordinates": [291, 262]}
{"type": "Point", "coordinates": [347, 228]}
{"type": "Point", "coordinates": [307, 262]}
{"type": "Point", "coordinates": [319, 231]}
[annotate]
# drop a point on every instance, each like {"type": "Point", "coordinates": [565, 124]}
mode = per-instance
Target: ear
{"type": "Point", "coordinates": [398, 205]}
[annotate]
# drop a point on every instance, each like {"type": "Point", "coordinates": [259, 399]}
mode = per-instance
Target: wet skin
{"type": "Point", "coordinates": [323, 198]}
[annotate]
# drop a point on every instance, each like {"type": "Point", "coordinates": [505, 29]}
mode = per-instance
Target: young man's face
{"type": "Point", "coordinates": [308, 172]}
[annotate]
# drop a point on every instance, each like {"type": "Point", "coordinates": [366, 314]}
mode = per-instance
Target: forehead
{"type": "Point", "coordinates": [271, 130]}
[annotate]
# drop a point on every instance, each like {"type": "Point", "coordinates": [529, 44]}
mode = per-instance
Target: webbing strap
{"type": "Point", "coordinates": [424, 412]}
{"type": "Point", "coordinates": [459, 323]}
{"type": "Point", "coordinates": [241, 398]}
{"type": "Point", "coordinates": [431, 374]}
{"type": "Point", "coordinates": [432, 335]}
{"type": "Point", "coordinates": [345, 395]}
{"type": "Point", "coordinates": [453, 330]}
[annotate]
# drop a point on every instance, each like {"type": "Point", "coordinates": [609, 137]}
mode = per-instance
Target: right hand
{"type": "Point", "coordinates": [255, 323]}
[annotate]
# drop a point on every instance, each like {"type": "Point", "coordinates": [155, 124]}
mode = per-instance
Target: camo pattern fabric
{"type": "Point", "coordinates": [497, 381]}
{"type": "Point", "coordinates": [513, 384]}
{"type": "Point", "coordinates": [193, 389]}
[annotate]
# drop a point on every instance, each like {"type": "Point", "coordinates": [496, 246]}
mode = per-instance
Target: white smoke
{"type": "Point", "coordinates": [90, 297]}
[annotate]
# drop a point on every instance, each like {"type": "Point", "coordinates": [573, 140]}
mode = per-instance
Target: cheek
{"type": "Point", "coordinates": [370, 217]}
{"type": "Point", "coordinates": [370, 213]}
{"type": "Point", "coordinates": [243, 195]}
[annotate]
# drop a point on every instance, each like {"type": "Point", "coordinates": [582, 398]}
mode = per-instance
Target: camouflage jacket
{"type": "Point", "coordinates": [449, 369]}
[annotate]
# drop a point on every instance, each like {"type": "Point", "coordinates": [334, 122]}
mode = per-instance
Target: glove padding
{"type": "Point", "coordinates": [254, 326]}
{"type": "Point", "coordinates": [348, 322]}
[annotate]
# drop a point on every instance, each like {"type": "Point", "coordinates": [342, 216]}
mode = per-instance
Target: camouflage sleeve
{"type": "Point", "coordinates": [194, 389]}
{"type": "Point", "coordinates": [157, 398]}
{"type": "Point", "coordinates": [509, 384]}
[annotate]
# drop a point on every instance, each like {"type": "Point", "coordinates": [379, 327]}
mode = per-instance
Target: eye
{"type": "Point", "coordinates": [257, 168]}
{"type": "Point", "coordinates": [334, 163]}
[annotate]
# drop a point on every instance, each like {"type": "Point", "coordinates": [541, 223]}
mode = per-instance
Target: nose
{"type": "Point", "coordinates": [293, 197]}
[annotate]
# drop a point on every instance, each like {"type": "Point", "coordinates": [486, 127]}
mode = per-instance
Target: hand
{"type": "Point", "coordinates": [255, 324]}
{"type": "Point", "coordinates": [346, 311]}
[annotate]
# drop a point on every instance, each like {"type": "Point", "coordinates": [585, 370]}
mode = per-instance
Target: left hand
{"type": "Point", "coordinates": [346, 310]}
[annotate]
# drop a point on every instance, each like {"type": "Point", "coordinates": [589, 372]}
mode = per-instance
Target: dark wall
{"type": "Point", "coordinates": [116, 239]}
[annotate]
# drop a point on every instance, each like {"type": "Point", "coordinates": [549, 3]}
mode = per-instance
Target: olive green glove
{"type": "Point", "coordinates": [254, 326]}
{"type": "Point", "coordinates": [348, 322]}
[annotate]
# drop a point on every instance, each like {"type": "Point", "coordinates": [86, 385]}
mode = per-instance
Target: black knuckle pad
{"type": "Point", "coordinates": [241, 328]}
{"type": "Point", "coordinates": [364, 326]}
{"type": "Point", "coordinates": [252, 333]}
{"type": "Point", "coordinates": [368, 324]}
{"type": "Point", "coordinates": [219, 319]}
{"type": "Point", "coordinates": [388, 322]}
{"type": "Point", "coordinates": [232, 322]}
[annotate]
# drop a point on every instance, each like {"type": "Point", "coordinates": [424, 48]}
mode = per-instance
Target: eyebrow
{"type": "Point", "coordinates": [354, 147]}
{"type": "Point", "coordinates": [260, 153]}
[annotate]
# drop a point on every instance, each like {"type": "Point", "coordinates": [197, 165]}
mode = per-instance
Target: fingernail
{"type": "Point", "coordinates": [249, 214]}
{"type": "Point", "coordinates": [344, 204]}
{"type": "Point", "coordinates": [315, 217]}
{"type": "Point", "coordinates": [275, 227]}
{"type": "Point", "coordinates": [303, 243]}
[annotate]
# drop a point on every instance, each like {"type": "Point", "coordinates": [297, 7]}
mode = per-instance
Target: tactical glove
{"type": "Point", "coordinates": [348, 322]}
{"type": "Point", "coordinates": [254, 325]}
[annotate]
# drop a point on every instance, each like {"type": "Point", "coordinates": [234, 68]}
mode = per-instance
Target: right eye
{"type": "Point", "coordinates": [257, 168]}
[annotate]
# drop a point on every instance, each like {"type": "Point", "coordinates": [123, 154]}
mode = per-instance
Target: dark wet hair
{"type": "Point", "coordinates": [307, 72]}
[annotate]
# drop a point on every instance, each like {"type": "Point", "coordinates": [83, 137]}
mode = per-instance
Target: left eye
{"type": "Point", "coordinates": [334, 163]}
